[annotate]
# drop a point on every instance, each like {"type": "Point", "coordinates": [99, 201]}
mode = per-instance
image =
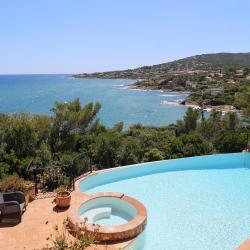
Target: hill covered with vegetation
{"type": "Point", "coordinates": [219, 81]}
{"type": "Point", "coordinates": [199, 62]}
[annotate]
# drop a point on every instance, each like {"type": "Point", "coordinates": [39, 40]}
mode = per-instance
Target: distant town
{"type": "Point", "coordinates": [214, 81]}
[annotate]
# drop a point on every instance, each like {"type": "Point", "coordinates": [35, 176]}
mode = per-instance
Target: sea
{"type": "Point", "coordinates": [38, 93]}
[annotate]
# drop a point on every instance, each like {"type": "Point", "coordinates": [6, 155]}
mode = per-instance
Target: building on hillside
{"type": "Point", "coordinates": [215, 91]}
{"type": "Point", "coordinates": [239, 72]}
{"type": "Point", "coordinates": [190, 85]}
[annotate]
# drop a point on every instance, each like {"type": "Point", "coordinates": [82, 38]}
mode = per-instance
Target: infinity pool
{"type": "Point", "coordinates": [192, 203]}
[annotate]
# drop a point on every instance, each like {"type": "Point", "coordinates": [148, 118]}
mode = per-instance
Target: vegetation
{"type": "Point", "coordinates": [74, 129]}
{"type": "Point", "coordinates": [227, 89]}
{"type": "Point", "coordinates": [213, 80]}
{"type": "Point", "coordinates": [14, 183]}
{"type": "Point", "coordinates": [81, 239]}
{"type": "Point", "coordinates": [198, 62]}
{"type": "Point", "coordinates": [62, 242]}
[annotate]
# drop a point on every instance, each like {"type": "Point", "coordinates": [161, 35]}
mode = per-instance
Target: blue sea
{"type": "Point", "coordinates": [37, 94]}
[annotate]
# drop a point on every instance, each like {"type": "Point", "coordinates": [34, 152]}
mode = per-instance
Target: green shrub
{"type": "Point", "coordinates": [153, 155]}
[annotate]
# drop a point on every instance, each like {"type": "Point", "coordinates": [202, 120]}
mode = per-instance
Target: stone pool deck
{"type": "Point", "coordinates": [245, 245]}
{"type": "Point", "coordinates": [39, 222]}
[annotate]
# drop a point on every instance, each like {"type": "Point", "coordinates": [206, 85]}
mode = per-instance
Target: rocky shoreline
{"type": "Point", "coordinates": [221, 108]}
{"type": "Point", "coordinates": [137, 85]}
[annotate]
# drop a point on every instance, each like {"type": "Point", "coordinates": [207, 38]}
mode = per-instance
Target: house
{"type": "Point", "coordinates": [190, 85]}
{"type": "Point", "coordinates": [214, 91]}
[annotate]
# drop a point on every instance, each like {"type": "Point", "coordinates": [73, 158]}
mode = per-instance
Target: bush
{"type": "Point", "coordinates": [153, 155]}
{"type": "Point", "coordinates": [14, 183]}
{"type": "Point", "coordinates": [229, 142]}
{"type": "Point", "coordinates": [82, 238]}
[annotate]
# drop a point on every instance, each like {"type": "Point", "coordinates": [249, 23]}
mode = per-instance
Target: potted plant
{"type": "Point", "coordinates": [63, 197]}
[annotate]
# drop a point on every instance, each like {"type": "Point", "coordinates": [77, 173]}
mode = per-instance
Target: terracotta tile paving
{"type": "Point", "coordinates": [245, 245]}
{"type": "Point", "coordinates": [38, 223]}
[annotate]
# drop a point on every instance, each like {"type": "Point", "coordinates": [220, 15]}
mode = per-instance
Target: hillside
{"type": "Point", "coordinates": [193, 63]}
{"type": "Point", "coordinates": [219, 81]}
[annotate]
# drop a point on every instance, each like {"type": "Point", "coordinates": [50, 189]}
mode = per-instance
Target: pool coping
{"type": "Point", "coordinates": [116, 233]}
{"type": "Point", "coordinates": [244, 245]}
{"type": "Point", "coordinates": [106, 170]}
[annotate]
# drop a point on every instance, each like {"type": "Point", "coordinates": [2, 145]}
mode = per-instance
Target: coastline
{"type": "Point", "coordinates": [147, 88]}
{"type": "Point", "coordinates": [136, 86]}
{"type": "Point", "coordinates": [208, 108]}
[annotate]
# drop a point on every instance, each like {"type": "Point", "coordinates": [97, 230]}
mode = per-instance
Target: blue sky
{"type": "Point", "coordinates": [62, 36]}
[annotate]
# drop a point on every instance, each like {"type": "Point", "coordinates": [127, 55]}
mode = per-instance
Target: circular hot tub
{"type": "Point", "coordinates": [107, 211]}
{"type": "Point", "coordinates": [118, 216]}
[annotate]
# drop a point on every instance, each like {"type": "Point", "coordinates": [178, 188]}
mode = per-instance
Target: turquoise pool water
{"type": "Point", "coordinates": [112, 220]}
{"type": "Point", "coordinates": [192, 203]}
{"type": "Point", "coordinates": [107, 211]}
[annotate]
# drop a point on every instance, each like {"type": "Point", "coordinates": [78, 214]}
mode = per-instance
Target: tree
{"type": "Point", "coordinates": [17, 133]}
{"type": "Point", "coordinates": [131, 151]}
{"type": "Point", "coordinates": [215, 116]}
{"type": "Point", "coordinates": [70, 119]}
{"type": "Point", "coordinates": [195, 144]}
{"type": "Point", "coordinates": [180, 128]}
{"type": "Point", "coordinates": [231, 141]}
{"type": "Point", "coordinates": [171, 147]}
{"type": "Point", "coordinates": [42, 126]}
{"type": "Point", "coordinates": [232, 121]}
{"type": "Point", "coordinates": [118, 127]}
{"type": "Point", "coordinates": [208, 129]}
{"type": "Point", "coordinates": [106, 149]}
{"type": "Point", "coordinates": [190, 119]}
{"type": "Point", "coordinates": [246, 113]}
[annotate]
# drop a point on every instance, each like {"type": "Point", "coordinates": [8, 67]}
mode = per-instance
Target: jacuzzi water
{"type": "Point", "coordinates": [192, 203]}
{"type": "Point", "coordinates": [112, 220]}
{"type": "Point", "coordinates": [107, 211]}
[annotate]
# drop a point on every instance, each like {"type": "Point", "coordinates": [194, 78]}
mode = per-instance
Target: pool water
{"type": "Point", "coordinates": [105, 216]}
{"type": "Point", "coordinates": [113, 219]}
{"type": "Point", "coordinates": [200, 206]}
{"type": "Point", "coordinates": [107, 211]}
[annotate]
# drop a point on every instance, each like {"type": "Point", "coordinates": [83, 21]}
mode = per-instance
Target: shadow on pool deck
{"type": "Point", "coordinates": [59, 209]}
